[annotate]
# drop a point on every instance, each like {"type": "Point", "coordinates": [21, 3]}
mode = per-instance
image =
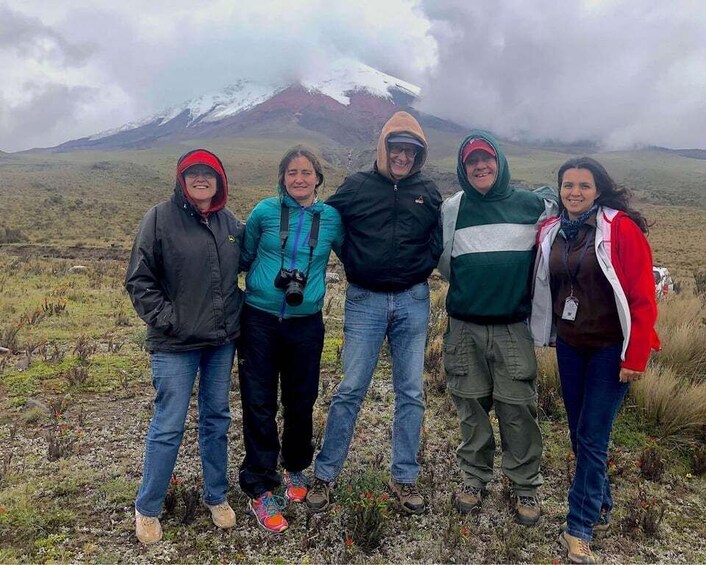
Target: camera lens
{"type": "Point", "coordinates": [294, 295]}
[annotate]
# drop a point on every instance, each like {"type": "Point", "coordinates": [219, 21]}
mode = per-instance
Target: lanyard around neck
{"type": "Point", "coordinates": [565, 256]}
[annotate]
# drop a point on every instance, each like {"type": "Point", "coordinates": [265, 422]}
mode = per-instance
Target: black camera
{"type": "Point", "coordinates": [292, 282]}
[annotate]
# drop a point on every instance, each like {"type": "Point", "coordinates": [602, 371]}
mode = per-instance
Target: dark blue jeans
{"type": "Point", "coordinates": [592, 395]}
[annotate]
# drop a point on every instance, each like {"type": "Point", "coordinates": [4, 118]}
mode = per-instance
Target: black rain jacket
{"type": "Point", "coordinates": [392, 228]}
{"type": "Point", "coordinates": [183, 272]}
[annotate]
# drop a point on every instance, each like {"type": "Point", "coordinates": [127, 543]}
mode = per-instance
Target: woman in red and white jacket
{"type": "Point", "coordinates": [593, 298]}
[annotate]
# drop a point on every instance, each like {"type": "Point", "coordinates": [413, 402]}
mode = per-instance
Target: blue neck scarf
{"type": "Point", "coordinates": [571, 227]}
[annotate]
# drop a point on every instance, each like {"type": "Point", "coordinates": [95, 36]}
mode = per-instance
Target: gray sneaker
{"type": "Point", "coordinates": [318, 497]}
{"type": "Point", "coordinates": [469, 500]}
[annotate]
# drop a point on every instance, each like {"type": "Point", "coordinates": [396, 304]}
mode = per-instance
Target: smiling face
{"type": "Point", "coordinates": [578, 191]}
{"type": "Point", "coordinates": [201, 183]}
{"type": "Point", "coordinates": [481, 170]}
{"type": "Point", "coordinates": [300, 180]}
{"type": "Point", "coordinates": [402, 157]}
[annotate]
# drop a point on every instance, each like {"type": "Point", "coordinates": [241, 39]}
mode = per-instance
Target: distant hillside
{"type": "Point", "coordinates": [690, 153]}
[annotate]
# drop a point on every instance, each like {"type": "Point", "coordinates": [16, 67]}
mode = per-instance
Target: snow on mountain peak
{"type": "Point", "coordinates": [347, 75]}
{"type": "Point", "coordinates": [341, 78]}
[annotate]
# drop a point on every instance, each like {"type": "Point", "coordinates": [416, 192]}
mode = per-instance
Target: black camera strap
{"type": "Point", "coordinates": [284, 235]}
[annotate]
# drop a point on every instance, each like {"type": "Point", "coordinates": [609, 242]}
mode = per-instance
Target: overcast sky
{"type": "Point", "coordinates": [620, 72]}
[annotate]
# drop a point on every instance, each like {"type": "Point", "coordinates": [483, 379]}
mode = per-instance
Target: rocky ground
{"type": "Point", "coordinates": [78, 508]}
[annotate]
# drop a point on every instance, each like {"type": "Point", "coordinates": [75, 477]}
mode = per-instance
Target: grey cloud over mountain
{"type": "Point", "coordinates": [620, 72]}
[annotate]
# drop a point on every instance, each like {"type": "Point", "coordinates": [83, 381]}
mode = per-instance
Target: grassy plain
{"type": "Point", "coordinates": [76, 399]}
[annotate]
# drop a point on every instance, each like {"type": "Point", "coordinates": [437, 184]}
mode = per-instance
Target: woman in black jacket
{"type": "Point", "coordinates": [183, 282]}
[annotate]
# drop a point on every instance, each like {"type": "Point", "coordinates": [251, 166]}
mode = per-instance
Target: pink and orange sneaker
{"type": "Point", "coordinates": [267, 510]}
{"type": "Point", "coordinates": [296, 486]}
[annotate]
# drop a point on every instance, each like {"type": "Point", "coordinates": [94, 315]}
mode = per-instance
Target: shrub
{"type": "Point", "coordinates": [698, 459]}
{"type": "Point", "coordinates": [651, 464]}
{"type": "Point", "coordinates": [367, 511]}
{"type": "Point", "coordinates": [643, 515]}
{"type": "Point", "coordinates": [12, 235]}
{"type": "Point", "coordinates": [677, 408]}
{"type": "Point", "coordinates": [699, 282]}
{"type": "Point", "coordinates": [182, 500]}
{"type": "Point", "coordinates": [548, 385]}
{"type": "Point", "coordinates": [433, 354]}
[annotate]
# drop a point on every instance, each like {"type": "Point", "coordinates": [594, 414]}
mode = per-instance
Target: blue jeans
{"type": "Point", "coordinates": [401, 317]}
{"type": "Point", "coordinates": [592, 395]}
{"type": "Point", "coordinates": [173, 376]}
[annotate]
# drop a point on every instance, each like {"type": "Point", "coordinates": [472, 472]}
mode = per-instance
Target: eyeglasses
{"type": "Point", "coordinates": [397, 150]}
{"type": "Point", "coordinates": [206, 172]}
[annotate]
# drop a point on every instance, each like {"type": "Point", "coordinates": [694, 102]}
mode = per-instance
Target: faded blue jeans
{"type": "Point", "coordinates": [173, 377]}
{"type": "Point", "coordinates": [370, 317]}
{"type": "Point", "coordinates": [592, 395]}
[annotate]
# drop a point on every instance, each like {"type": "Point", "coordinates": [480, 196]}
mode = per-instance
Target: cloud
{"type": "Point", "coordinates": [28, 37]}
{"type": "Point", "coordinates": [48, 108]}
{"type": "Point", "coordinates": [618, 72]}
{"type": "Point", "coordinates": [146, 57]}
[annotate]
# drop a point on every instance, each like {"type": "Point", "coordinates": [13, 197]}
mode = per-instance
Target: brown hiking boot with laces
{"type": "Point", "coordinates": [468, 500]}
{"type": "Point", "coordinates": [408, 497]}
{"type": "Point", "coordinates": [527, 510]}
{"type": "Point", "coordinates": [579, 550]}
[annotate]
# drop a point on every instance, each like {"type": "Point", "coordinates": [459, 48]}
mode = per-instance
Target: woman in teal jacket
{"type": "Point", "coordinates": [287, 243]}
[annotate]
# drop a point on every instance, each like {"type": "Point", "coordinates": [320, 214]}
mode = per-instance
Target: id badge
{"type": "Point", "coordinates": [571, 306]}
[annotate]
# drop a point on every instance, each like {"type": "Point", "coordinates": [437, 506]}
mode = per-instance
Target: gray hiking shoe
{"type": "Point", "coordinates": [408, 496]}
{"type": "Point", "coordinates": [318, 497]}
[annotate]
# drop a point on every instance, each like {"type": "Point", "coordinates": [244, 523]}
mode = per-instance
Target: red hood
{"type": "Point", "coordinates": [204, 157]}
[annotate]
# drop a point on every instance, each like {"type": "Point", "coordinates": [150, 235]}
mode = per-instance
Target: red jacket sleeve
{"type": "Point", "coordinates": [632, 258]}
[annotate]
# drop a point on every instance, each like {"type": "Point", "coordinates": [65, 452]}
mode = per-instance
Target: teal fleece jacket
{"type": "Point", "coordinates": [492, 244]}
{"type": "Point", "coordinates": [261, 253]}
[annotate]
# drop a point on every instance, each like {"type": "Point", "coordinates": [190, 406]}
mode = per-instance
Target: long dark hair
{"type": "Point", "coordinates": [300, 151]}
{"type": "Point", "coordinates": [609, 193]}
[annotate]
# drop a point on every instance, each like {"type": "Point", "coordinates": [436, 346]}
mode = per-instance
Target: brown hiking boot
{"type": "Point", "coordinates": [468, 500]}
{"type": "Point", "coordinates": [408, 496]}
{"type": "Point", "coordinates": [147, 528]}
{"type": "Point", "coordinates": [222, 515]}
{"type": "Point", "coordinates": [318, 498]}
{"type": "Point", "coordinates": [579, 550]}
{"type": "Point", "coordinates": [527, 510]}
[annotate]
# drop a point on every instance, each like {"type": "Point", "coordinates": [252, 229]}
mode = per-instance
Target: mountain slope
{"type": "Point", "coordinates": [348, 105]}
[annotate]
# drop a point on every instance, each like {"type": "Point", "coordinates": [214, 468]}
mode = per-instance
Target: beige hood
{"type": "Point", "coordinates": [400, 122]}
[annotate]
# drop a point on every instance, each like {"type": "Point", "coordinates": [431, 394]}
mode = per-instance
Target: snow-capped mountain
{"type": "Point", "coordinates": [347, 104]}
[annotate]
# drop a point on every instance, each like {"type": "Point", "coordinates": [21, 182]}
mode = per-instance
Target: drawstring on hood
{"type": "Point", "coordinates": [202, 157]}
{"type": "Point", "coordinates": [500, 188]}
{"type": "Point", "coordinates": [400, 123]}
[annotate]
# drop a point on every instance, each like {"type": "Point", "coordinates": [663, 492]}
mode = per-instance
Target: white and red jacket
{"type": "Point", "coordinates": [626, 261]}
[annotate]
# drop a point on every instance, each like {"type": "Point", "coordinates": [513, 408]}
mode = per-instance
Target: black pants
{"type": "Point", "coordinates": [276, 352]}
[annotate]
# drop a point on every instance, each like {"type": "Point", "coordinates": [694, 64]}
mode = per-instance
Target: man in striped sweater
{"type": "Point", "coordinates": [489, 232]}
